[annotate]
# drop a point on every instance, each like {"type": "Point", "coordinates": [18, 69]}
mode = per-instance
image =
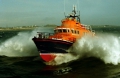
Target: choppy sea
{"type": "Point", "coordinates": [97, 57]}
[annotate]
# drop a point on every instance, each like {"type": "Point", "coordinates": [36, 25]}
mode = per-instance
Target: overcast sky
{"type": "Point", "coordinates": [42, 12]}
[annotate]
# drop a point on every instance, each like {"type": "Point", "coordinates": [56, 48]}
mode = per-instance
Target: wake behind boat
{"type": "Point", "coordinates": [50, 44]}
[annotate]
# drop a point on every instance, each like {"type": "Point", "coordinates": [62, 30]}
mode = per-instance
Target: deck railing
{"type": "Point", "coordinates": [44, 35]}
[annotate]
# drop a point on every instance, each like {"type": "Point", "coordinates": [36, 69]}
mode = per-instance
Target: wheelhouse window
{"type": "Point", "coordinates": [75, 31]}
{"type": "Point", "coordinates": [72, 31]}
{"type": "Point", "coordinates": [64, 30]}
{"type": "Point", "coordinates": [59, 30]}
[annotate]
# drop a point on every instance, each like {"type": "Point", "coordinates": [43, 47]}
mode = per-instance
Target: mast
{"type": "Point", "coordinates": [74, 14]}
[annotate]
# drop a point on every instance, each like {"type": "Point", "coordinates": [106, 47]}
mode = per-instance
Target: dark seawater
{"type": "Point", "coordinates": [19, 59]}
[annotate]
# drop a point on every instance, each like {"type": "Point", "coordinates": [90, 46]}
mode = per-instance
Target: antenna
{"type": "Point", "coordinates": [74, 14]}
{"type": "Point", "coordinates": [78, 11]}
{"type": "Point", "coordinates": [64, 8]}
{"type": "Point", "coordinates": [74, 10]}
{"type": "Point", "coordinates": [79, 17]}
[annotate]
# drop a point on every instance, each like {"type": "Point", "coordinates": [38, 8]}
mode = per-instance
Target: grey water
{"type": "Point", "coordinates": [19, 57]}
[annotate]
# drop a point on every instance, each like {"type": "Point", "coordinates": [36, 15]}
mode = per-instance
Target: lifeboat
{"type": "Point", "coordinates": [51, 44]}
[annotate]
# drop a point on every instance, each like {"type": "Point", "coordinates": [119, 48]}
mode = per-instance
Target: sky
{"type": "Point", "coordinates": [43, 12]}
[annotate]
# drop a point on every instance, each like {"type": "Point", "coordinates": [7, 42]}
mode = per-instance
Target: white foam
{"type": "Point", "coordinates": [62, 58]}
{"type": "Point", "coordinates": [21, 45]}
{"type": "Point", "coordinates": [105, 46]}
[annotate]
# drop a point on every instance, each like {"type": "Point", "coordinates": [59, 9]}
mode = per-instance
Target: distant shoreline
{"type": "Point", "coordinates": [34, 27]}
{"type": "Point", "coordinates": [17, 29]}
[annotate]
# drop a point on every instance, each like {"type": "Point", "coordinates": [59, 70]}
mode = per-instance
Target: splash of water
{"type": "Point", "coordinates": [105, 47]}
{"type": "Point", "coordinates": [21, 44]}
{"type": "Point", "coordinates": [62, 58]}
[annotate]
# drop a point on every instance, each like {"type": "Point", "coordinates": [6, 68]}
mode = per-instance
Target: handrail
{"type": "Point", "coordinates": [44, 35]}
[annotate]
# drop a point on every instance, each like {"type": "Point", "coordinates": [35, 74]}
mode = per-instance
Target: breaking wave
{"type": "Point", "coordinates": [105, 47]}
{"type": "Point", "coordinates": [21, 45]}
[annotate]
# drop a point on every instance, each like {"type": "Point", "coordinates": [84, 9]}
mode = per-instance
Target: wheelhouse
{"type": "Point", "coordinates": [66, 30]}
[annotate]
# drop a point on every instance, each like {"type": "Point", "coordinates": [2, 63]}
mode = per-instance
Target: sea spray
{"type": "Point", "coordinates": [18, 46]}
{"type": "Point", "coordinates": [105, 47]}
{"type": "Point", "coordinates": [62, 58]}
{"type": "Point", "coordinates": [21, 44]}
